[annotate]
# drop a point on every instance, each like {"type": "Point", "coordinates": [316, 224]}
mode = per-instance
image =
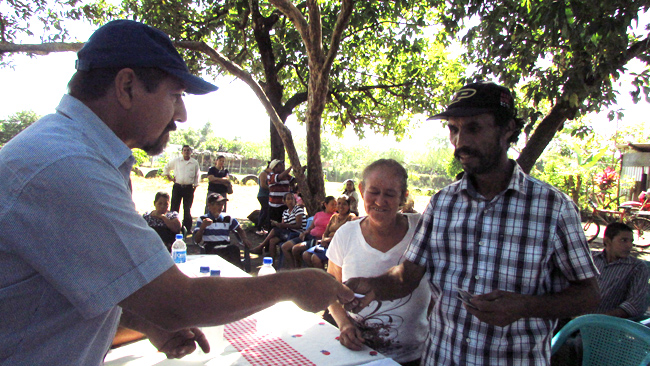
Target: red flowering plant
{"type": "Point", "coordinates": [606, 181]}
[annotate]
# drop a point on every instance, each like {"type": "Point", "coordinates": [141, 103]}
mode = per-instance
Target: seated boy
{"type": "Point", "coordinates": [213, 231]}
{"type": "Point", "coordinates": [623, 279]}
{"type": "Point", "coordinates": [623, 283]}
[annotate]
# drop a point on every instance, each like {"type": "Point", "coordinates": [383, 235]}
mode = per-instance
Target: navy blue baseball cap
{"type": "Point", "coordinates": [126, 43]}
{"type": "Point", "coordinates": [479, 98]}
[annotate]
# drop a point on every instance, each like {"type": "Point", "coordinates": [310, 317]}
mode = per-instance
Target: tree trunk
{"type": "Point", "coordinates": [318, 88]}
{"type": "Point", "coordinates": [272, 87]}
{"type": "Point", "coordinates": [277, 147]}
{"type": "Point", "coordinates": [543, 134]}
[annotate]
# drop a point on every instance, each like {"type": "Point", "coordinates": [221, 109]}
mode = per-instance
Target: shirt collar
{"type": "Point", "coordinates": [630, 259]}
{"type": "Point", "coordinates": [518, 182]}
{"type": "Point", "coordinates": [110, 146]}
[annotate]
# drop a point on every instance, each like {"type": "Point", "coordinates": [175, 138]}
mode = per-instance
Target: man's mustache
{"type": "Point", "coordinates": [466, 151]}
{"type": "Point", "coordinates": [170, 127]}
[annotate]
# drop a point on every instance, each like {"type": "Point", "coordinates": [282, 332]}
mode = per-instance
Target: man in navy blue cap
{"type": "Point", "coordinates": [76, 258]}
{"type": "Point", "coordinates": [505, 254]}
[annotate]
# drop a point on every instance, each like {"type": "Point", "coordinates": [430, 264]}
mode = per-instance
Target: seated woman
{"type": "Point", "coordinates": [293, 248]}
{"type": "Point", "coordinates": [369, 247]}
{"type": "Point", "coordinates": [351, 192]}
{"type": "Point", "coordinates": [165, 222]}
{"type": "Point", "coordinates": [213, 231]}
{"type": "Point", "coordinates": [316, 255]}
{"type": "Point", "coordinates": [291, 226]}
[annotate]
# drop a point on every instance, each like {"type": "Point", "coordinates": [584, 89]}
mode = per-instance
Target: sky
{"type": "Point", "coordinates": [37, 83]}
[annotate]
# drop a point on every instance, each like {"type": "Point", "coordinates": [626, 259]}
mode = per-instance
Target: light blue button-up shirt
{"type": "Point", "coordinates": [72, 245]}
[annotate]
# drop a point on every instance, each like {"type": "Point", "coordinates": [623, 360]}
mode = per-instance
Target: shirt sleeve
{"type": "Point", "coordinates": [336, 252]}
{"type": "Point", "coordinates": [168, 167]}
{"type": "Point", "coordinates": [234, 224]}
{"type": "Point", "coordinates": [197, 173]}
{"type": "Point", "coordinates": [100, 249]}
{"type": "Point", "coordinates": [197, 226]}
{"type": "Point", "coordinates": [572, 255]}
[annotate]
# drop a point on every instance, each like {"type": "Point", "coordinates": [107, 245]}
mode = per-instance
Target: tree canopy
{"type": "Point", "coordinates": [564, 56]}
{"type": "Point", "coordinates": [349, 64]}
{"type": "Point", "coordinates": [368, 64]}
{"type": "Point", "coordinates": [14, 124]}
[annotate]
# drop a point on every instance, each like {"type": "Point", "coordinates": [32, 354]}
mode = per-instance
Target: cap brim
{"type": "Point", "coordinates": [193, 84]}
{"type": "Point", "coordinates": [460, 112]}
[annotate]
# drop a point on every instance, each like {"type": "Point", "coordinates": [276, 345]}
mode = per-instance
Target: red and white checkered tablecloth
{"type": "Point", "coordinates": [262, 349]}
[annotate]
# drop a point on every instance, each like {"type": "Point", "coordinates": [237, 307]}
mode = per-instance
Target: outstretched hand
{"type": "Point", "coordinates": [322, 291]}
{"type": "Point", "coordinates": [364, 294]}
{"type": "Point", "coordinates": [179, 344]}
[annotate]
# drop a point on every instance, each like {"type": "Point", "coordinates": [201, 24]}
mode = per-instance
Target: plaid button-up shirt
{"type": "Point", "coordinates": [528, 240]}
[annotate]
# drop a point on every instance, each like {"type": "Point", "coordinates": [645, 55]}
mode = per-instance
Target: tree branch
{"type": "Point", "coordinates": [379, 86]}
{"type": "Point", "coordinates": [295, 100]}
{"type": "Point", "coordinates": [295, 16]}
{"type": "Point", "coordinates": [636, 50]}
{"type": "Point", "coordinates": [40, 49]}
{"type": "Point", "coordinates": [300, 77]}
{"type": "Point", "coordinates": [341, 24]}
{"type": "Point", "coordinates": [237, 71]}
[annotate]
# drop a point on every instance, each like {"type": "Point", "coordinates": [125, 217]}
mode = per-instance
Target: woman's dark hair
{"type": "Point", "coordinates": [392, 165]}
{"type": "Point", "coordinates": [93, 84]}
{"type": "Point", "coordinates": [161, 194]}
{"type": "Point", "coordinates": [345, 185]}
{"type": "Point", "coordinates": [328, 199]}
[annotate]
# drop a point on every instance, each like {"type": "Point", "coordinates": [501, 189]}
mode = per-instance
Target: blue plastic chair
{"type": "Point", "coordinates": [607, 340]}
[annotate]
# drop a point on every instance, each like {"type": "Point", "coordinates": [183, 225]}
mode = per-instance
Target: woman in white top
{"type": "Point", "coordinates": [351, 192]}
{"type": "Point", "coordinates": [367, 248]}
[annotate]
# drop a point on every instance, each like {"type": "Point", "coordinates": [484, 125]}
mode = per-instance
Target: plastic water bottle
{"type": "Point", "coordinates": [267, 267]}
{"type": "Point", "coordinates": [179, 250]}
